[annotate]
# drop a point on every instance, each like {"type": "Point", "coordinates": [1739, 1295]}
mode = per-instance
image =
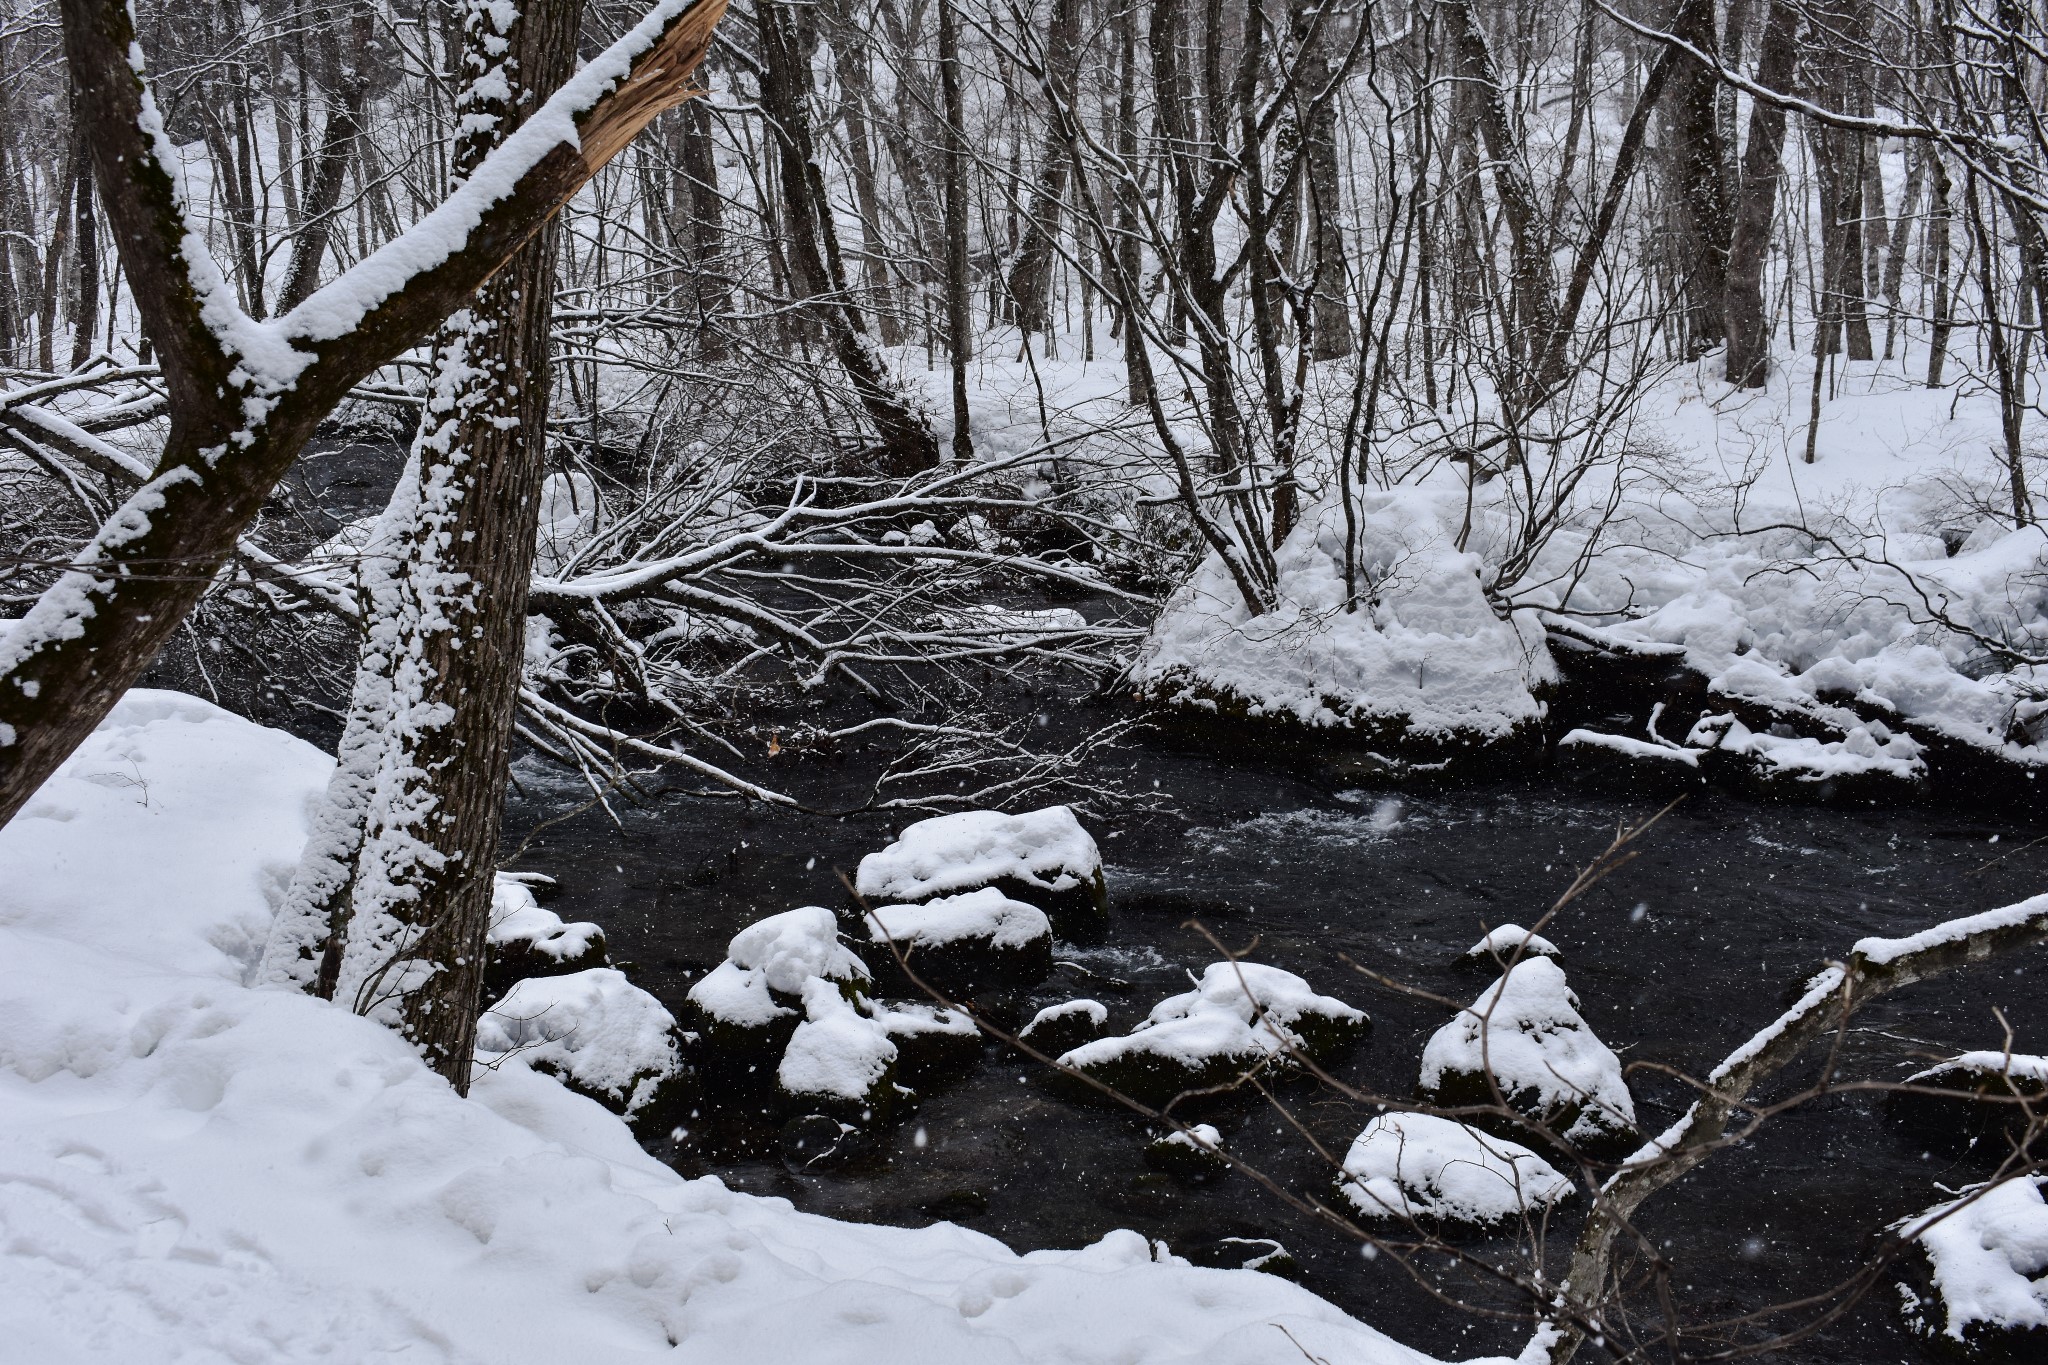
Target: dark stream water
{"type": "Point", "coordinates": [1676, 958]}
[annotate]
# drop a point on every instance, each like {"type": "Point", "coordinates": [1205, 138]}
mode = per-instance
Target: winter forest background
{"type": "Point", "coordinates": [576, 435]}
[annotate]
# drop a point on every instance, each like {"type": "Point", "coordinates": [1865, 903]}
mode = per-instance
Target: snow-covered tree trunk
{"type": "Point", "coordinates": [444, 654]}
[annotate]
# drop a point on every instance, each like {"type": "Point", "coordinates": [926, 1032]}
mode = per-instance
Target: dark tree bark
{"type": "Point", "coordinates": [234, 431]}
{"type": "Point", "coordinates": [348, 85]}
{"type": "Point", "coordinates": [1700, 166]}
{"type": "Point", "coordinates": [482, 491]}
{"type": "Point", "coordinates": [904, 442]}
{"type": "Point", "coordinates": [1030, 282]}
{"type": "Point", "coordinates": [959, 308]}
{"type": "Point", "coordinates": [1763, 164]}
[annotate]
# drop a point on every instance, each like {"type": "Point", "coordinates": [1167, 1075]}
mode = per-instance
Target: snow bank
{"type": "Point", "coordinates": [837, 1053]}
{"type": "Point", "coordinates": [197, 1170]}
{"type": "Point", "coordinates": [1525, 1029]}
{"type": "Point", "coordinates": [1425, 656]}
{"type": "Point", "coordinates": [1417, 1166]}
{"type": "Point", "coordinates": [1988, 1255]}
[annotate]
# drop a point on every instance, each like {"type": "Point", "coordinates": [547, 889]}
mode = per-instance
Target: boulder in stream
{"type": "Point", "coordinates": [1042, 857]}
{"type": "Point", "coordinates": [1981, 1293]}
{"type": "Point", "coordinates": [959, 945]}
{"type": "Point", "coordinates": [1192, 1155]}
{"type": "Point", "coordinates": [1241, 1017]}
{"type": "Point", "coordinates": [1979, 1098]}
{"type": "Point", "coordinates": [527, 940]}
{"type": "Point", "coordinates": [747, 1008]}
{"type": "Point", "coordinates": [839, 1061]}
{"type": "Point", "coordinates": [597, 1033]}
{"type": "Point", "coordinates": [1526, 1030]}
{"type": "Point", "coordinates": [1066, 1026]}
{"type": "Point", "coordinates": [1427, 1169]}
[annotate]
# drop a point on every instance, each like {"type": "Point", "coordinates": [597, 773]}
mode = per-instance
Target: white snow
{"type": "Point", "coordinates": [1525, 1028]}
{"type": "Point", "coordinates": [1633, 748]}
{"type": "Point", "coordinates": [2016, 1065]}
{"type": "Point", "coordinates": [986, 915]}
{"type": "Point", "coordinates": [1200, 1137]}
{"type": "Point", "coordinates": [517, 918]}
{"type": "Point", "coordinates": [1094, 1011]}
{"type": "Point", "coordinates": [791, 948]}
{"type": "Point", "coordinates": [1237, 1009]}
{"type": "Point", "coordinates": [594, 1027]}
{"type": "Point", "coordinates": [1885, 951]}
{"type": "Point", "coordinates": [1989, 1254]}
{"type": "Point", "coordinates": [1420, 1166]}
{"type": "Point", "coordinates": [197, 1170]}
{"type": "Point", "coordinates": [1046, 848]}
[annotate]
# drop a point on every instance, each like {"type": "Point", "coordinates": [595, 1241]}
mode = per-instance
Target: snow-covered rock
{"type": "Point", "coordinates": [1042, 857]}
{"type": "Point", "coordinates": [202, 1170]}
{"type": "Point", "coordinates": [960, 944]}
{"type": "Point", "coordinates": [1976, 1097]}
{"type": "Point", "coordinates": [597, 1033]}
{"type": "Point", "coordinates": [1239, 1016]}
{"type": "Point", "coordinates": [1066, 1026]}
{"type": "Point", "coordinates": [1525, 1029]}
{"type": "Point", "coordinates": [933, 1044]}
{"type": "Point", "coordinates": [1509, 940]}
{"type": "Point", "coordinates": [1987, 1256]}
{"type": "Point", "coordinates": [526, 939]}
{"type": "Point", "coordinates": [839, 1057]}
{"type": "Point", "coordinates": [1417, 1166]}
{"type": "Point", "coordinates": [747, 1007]}
{"type": "Point", "coordinates": [1193, 1154]}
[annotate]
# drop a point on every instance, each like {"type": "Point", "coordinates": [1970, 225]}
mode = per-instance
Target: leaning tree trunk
{"type": "Point", "coordinates": [421, 892]}
{"type": "Point", "coordinates": [905, 443]}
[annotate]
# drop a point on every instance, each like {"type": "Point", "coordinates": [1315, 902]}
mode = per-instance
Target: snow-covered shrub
{"type": "Point", "coordinates": [1424, 659]}
{"type": "Point", "coordinates": [1525, 1029]}
{"type": "Point", "coordinates": [1042, 857]}
{"type": "Point", "coordinates": [1981, 1095]}
{"type": "Point", "coordinates": [1987, 1258]}
{"type": "Point", "coordinates": [959, 944]}
{"type": "Point", "coordinates": [597, 1033]}
{"type": "Point", "coordinates": [1240, 1016]}
{"type": "Point", "coordinates": [1422, 1167]}
{"type": "Point", "coordinates": [525, 939]}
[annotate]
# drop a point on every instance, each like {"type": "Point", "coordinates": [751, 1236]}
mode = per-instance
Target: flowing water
{"type": "Point", "coordinates": [1676, 958]}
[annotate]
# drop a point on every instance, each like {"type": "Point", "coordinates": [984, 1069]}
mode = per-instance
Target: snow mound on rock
{"type": "Point", "coordinates": [1239, 1013]}
{"type": "Point", "coordinates": [1509, 939]}
{"type": "Point", "coordinates": [1046, 849]}
{"type": "Point", "coordinates": [1419, 1166]}
{"type": "Point", "coordinates": [1424, 651]}
{"type": "Point", "coordinates": [790, 948]}
{"type": "Point", "coordinates": [1988, 1254]}
{"type": "Point", "coordinates": [1526, 1030]}
{"type": "Point", "coordinates": [592, 1027]}
{"type": "Point", "coordinates": [838, 1052]}
{"type": "Point", "coordinates": [986, 915]}
{"type": "Point", "coordinates": [516, 917]}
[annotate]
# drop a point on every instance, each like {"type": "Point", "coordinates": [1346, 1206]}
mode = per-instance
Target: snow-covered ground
{"type": "Point", "coordinates": [192, 1170]}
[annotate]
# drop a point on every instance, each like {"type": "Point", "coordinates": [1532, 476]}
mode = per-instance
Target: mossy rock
{"type": "Point", "coordinates": [1978, 1110]}
{"type": "Point", "coordinates": [1061, 1028]}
